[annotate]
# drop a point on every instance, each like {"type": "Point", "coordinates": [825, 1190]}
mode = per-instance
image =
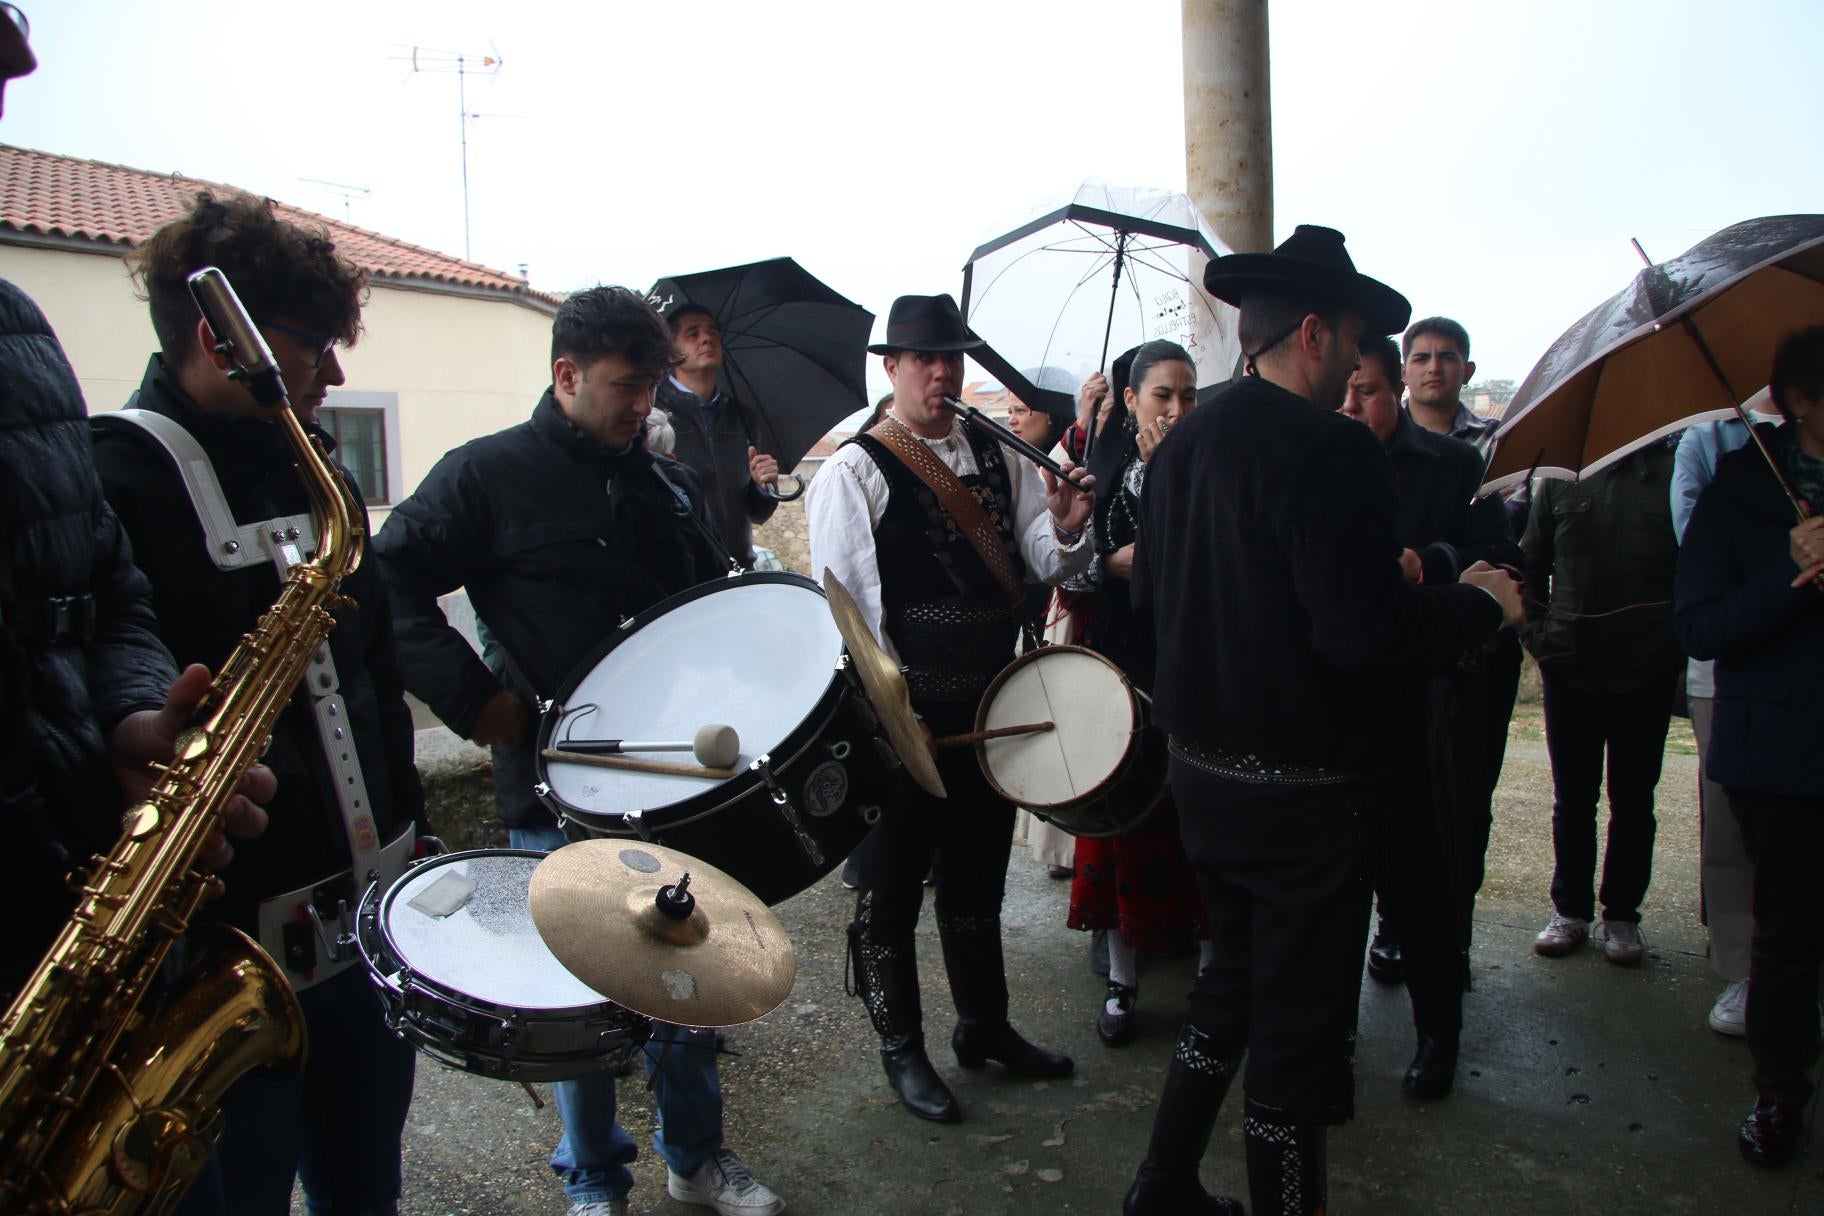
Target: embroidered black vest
{"type": "Point", "coordinates": [945, 612]}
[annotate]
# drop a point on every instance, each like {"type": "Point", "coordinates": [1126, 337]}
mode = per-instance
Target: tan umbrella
{"type": "Point", "coordinates": [1688, 340]}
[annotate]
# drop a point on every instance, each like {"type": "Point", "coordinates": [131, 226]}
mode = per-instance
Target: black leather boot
{"type": "Point", "coordinates": [886, 979]}
{"type": "Point", "coordinates": [1287, 1172]}
{"type": "Point", "coordinates": [1195, 1084]}
{"type": "Point", "coordinates": [1386, 961]}
{"type": "Point", "coordinates": [978, 985]}
{"type": "Point", "coordinates": [1434, 1069]}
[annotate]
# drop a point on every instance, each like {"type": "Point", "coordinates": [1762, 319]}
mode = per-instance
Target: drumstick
{"type": "Point", "coordinates": [999, 732]}
{"type": "Point", "coordinates": [715, 746]}
{"type": "Point", "coordinates": [631, 765]}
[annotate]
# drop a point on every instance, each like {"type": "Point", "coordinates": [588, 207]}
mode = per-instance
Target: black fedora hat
{"type": "Point", "coordinates": [930, 323]}
{"type": "Point", "coordinates": [1310, 263]}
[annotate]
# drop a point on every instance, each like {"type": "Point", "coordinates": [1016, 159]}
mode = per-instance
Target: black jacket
{"type": "Point", "coordinates": [1736, 605]}
{"type": "Point", "coordinates": [205, 611]}
{"type": "Point", "coordinates": [1440, 516]}
{"type": "Point", "coordinates": [1604, 545]}
{"type": "Point", "coordinates": [714, 449]}
{"type": "Point", "coordinates": [1269, 556]}
{"type": "Point", "coordinates": [552, 564]}
{"type": "Point", "coordinates": [77, 647]}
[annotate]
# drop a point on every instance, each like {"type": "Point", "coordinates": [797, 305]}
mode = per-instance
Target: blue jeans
{"type": "Point", "coordinates": [593, 1154]}
{"type": "Point", "coordinates": [336, 1128]}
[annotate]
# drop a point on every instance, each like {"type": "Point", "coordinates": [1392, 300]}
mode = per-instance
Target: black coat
{"type": "Point", "coordinates": [61, 690]}
{"type": "Point", "coordinates": [552, 564]}
{"type": "Point", "coordinates": [205, 611]}
{"type": "Point", "coordinates": [1600, 555]}
{"type": "Point", "coordinates": [1736, 605]}
{"type": "Point", "coordinates": [714, 449]}
{"type": "Point", "coordinates": [1269, 556]}
{"type": "Point", "coordinates": [1440, 516]}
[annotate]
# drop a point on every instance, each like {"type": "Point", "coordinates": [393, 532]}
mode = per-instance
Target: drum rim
{"type": "Point", "coordinates": [549, 720]}
{"type": "Point", "coordinates": [1128, 756]}
{"type": "Point", "coordinates": [383, 927]}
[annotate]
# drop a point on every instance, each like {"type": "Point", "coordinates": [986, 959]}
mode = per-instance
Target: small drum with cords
{"type": "Point", "coordinates": [466, 979]}
{"type": "Point", "coordinates": [1100, 771]}
{"type": "Point", "coordinates": [759, 657]}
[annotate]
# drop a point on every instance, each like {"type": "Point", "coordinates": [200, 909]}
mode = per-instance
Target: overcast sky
{"type": "Point", "coordinates": [1489, 160]}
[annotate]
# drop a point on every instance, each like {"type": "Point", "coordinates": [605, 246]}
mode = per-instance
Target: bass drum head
{"type": "Point", "coordinates": [485, 947]}
{"type": "Point", "coordinates": [756, 653]}
{"type": "Point", "coordinates": [1096, 718]}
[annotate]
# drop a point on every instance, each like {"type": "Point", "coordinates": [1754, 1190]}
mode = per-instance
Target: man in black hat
{"type": "Point", "coordinates": [1269, 556]}
{"type": "Point", "coordinates": [892, 514]}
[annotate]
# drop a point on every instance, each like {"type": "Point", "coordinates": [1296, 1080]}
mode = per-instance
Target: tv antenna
{"type": "Point", "coordinates": [462, 63]}
{"type": "Point", "coordinates": [347, 192]}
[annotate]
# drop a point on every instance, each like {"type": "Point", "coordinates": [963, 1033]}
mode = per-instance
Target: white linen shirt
{"type": "Point", "coordinates": [848, 496]}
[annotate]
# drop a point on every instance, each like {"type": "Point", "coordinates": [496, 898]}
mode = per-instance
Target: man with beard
{"type": "Point", "coordinates": [1270, 558]}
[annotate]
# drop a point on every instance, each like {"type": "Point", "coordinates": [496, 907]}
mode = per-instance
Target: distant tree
{"type": "Point", "coordinates": [1499, 391]}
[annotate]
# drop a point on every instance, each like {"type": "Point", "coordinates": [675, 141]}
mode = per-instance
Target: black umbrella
{"type": "Point", "coordinates": [1105, 269]}
{"type": "Point", "coordinates": [795, 351]}
{"type": "Point", "coordinates": [1689, 339]}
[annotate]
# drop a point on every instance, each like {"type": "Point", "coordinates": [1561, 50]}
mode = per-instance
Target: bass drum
{"type": "Point", "coordinates": [1101, 770]}
{"type": "Point", "coordinates": [465, 978]}
{"type": "Point", "coordinates": [760, 653]}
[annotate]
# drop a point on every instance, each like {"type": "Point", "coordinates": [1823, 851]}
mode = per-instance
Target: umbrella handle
{"type": "Point", "coordinates": [771, 490]}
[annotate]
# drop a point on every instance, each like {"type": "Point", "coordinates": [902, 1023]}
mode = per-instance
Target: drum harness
{"type": "Point", "coordinates": [291, 927]}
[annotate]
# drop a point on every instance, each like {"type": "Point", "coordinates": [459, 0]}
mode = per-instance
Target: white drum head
{"type": "Point", "coordinates": [755, 656]}
{"type": "Point", "coordinates": [488, 948]}
{"type": "Point", "coordinates": [1088, 699]}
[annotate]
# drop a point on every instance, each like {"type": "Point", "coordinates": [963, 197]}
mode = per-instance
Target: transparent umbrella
{"type": "Point", "coordinates": [1097, 271]}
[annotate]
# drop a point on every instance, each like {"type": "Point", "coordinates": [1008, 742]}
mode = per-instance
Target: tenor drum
{"type": "Point", "coordinates": [466, 979]}
{"type": "Point", "coordinates": [1100, 771]}
{"type": "Point", "coordinates": [759, 653]}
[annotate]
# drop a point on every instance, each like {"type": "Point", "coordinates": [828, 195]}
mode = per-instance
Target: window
{"type": "Point", "coordinates": [364, 428]}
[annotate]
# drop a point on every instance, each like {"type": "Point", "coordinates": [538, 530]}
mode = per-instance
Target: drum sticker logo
{"type": "Point", "coordinates": [826, 789]}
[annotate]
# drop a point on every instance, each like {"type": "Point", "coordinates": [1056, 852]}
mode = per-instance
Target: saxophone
{"type": "Point", "coordinates": [109, 1081]}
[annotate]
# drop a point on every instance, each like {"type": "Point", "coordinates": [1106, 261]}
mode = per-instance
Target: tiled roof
{"type": "Point", "coordinates": [90, 200]}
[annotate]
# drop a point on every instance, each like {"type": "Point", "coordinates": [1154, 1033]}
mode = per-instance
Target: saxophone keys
{"type": "Point", "coordinates": [193, 744]}
{"type": "Point", "coordinates": [141, 821]}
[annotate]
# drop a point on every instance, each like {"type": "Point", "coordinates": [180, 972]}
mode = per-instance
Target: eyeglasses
{"type": "Point", "coordinates": [18, 19]}
{"type": "Point", "coordinates": [313, 342]}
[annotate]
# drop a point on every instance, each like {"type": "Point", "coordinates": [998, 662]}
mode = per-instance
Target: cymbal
{"type": "Point", "coordinates": [722, 960]}
{"type": "Point", "coordinates": [885, 685]}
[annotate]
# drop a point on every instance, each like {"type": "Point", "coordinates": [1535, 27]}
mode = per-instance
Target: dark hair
{"type": "Point", "coordinates": [1151, 355]}
{"type": "Point", "coordinates": [279, 269]}
{"type": "Point", "coordinates": [676, 316]}
{"type": "Point", "coordinates": [1798, 366]}
{"type": "Point", "coordinates": [1451, 331]}
{"type": "Point", "coordinates": [611, 321]}
{"type": "Point", "coordinates": [1271, 317]}
{"type": "Point", "coordinates": [1387, 351]}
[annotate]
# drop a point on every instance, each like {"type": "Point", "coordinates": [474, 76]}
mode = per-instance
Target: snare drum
{"type": "Point", "coordinates": [1100, 771]}
{"type": "Point", "coordinates": [759, 653]}
{"type": "Point", "coordinates": [466, 979]}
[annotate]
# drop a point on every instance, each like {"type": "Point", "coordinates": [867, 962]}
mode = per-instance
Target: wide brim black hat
{"type": "Point", "coordinates": [926, 323]}
{"type": "Point", "coordinates": [1310, 264]}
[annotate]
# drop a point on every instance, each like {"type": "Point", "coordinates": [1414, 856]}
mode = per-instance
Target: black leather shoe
{"type": "Point", "coordinates": [1434, 1069]}
{"type": "Point", "coordinates": [1117, 1029]}
{"type": "Point", "coordinates": [920, 1089]}
{"type": "Point", "coordinates": [1385, 961]}
{"type": "Point", "coordinates": [1770, 1133]}
{"type": "Point", "coordinates": [1154, 1197]}
{"type": "Point", "coordinates": [976, 1045]}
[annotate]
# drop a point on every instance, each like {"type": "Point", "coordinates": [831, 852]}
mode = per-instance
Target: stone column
{"type": "Point", "coordinates": [1228, 121]}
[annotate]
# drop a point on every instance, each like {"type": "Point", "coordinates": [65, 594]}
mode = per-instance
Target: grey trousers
{"type": "Point", "coordinates": [1728, 874]}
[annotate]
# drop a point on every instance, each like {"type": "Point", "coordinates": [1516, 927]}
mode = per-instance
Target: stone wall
{"type": "Point", "coordinates": [786, 533]}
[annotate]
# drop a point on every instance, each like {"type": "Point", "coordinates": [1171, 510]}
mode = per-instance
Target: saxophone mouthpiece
{"type": "Point", "coordinates": [236, 336]}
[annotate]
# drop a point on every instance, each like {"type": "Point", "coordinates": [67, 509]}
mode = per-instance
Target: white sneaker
{"type": "Point", "coordinates": [1621, 942]}
{"type": "Point", "coordinates": [1730, 1013]}
{"type": "Point", "coordinates": [724, 1184]}
{"type": "Point", "coordinates": [599, 1207]}
{"type": "Point", "coordinates": [1562, 936]}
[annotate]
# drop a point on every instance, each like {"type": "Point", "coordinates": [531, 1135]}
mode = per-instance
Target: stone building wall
{"type": "Point", "coordinates": [786, 533]}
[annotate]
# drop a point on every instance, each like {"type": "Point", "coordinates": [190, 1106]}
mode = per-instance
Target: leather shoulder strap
{"type": "Point", "coordinates": [962, 506]}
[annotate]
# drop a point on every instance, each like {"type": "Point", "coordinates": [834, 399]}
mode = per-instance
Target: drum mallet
{"type": "Point", "coordinates": [999, 732]}
{"type": "Point", "coordinates": [630, 764]}
{"type": "Point", "coordinates": [715, 746]}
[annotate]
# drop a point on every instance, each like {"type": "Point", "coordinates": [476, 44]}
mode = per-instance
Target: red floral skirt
{"type": "Point", "coordinates": [1141, 884]}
